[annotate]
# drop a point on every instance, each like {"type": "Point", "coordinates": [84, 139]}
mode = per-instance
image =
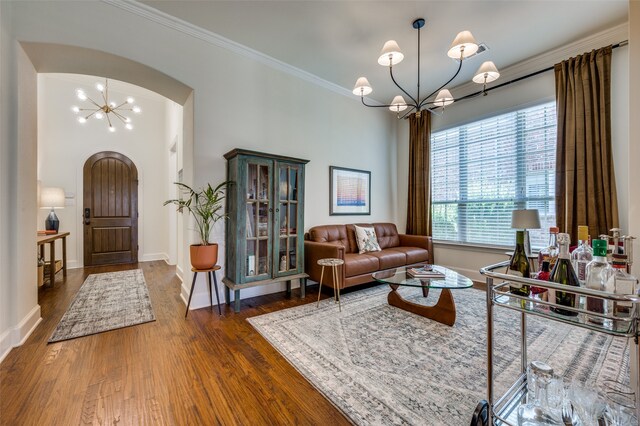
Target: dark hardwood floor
{"type": "Point", "coordinates": [205, 370]}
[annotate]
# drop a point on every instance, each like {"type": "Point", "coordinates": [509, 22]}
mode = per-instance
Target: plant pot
{"type": "Point", "coordinates": [203, 257]}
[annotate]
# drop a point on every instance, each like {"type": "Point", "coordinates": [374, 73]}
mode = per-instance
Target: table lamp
{"type": "Point", "coordinates": [525, 219]}
{"type": "Point", "coordinates": [52, 198]}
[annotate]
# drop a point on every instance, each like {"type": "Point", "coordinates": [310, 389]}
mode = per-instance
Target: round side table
{"type": "Point", "coordinates": [209, 272]}
{"type": "Point", "coordinates": [333, 263]}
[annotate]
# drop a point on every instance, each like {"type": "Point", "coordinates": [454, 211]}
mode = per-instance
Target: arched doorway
{"type": "Point", "coordinates": [110, 209]}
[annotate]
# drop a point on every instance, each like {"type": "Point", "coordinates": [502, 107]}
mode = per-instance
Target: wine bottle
{"type": "Point", "coordinates": [563, 273]}
{"type": "Point", "coordinates": [582, 254]}
{"type": "Point", "coordinates": [550, 252]}
{"type": "Point", "coordinates": [519, 266]}
{"type": "Point", "coordinates": [542, 275]}
{"type": "Point", "coordinates": [598, 273]}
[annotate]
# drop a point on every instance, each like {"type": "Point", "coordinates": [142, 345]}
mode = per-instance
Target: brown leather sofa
{"type": "Point", "coordinates": [339, 241]}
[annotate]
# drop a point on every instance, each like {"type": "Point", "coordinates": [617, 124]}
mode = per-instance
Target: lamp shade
{"type": "Point", "coordinates": [444, 98]}
{"type": "Point", "coordinates": [486, 73]}
{"type": "Point", "coordinates": [362, 87]}
{"type": "Point", "coordinates": [464, 45]}
{"type": "Point", "coordinates": [390, 54]}
{"type": "Point", "coordinates": [398, 104]}
{"type": "Point", "coordinates": [52, 198]}
{"type": "Point", "coordinates": [525, 219]}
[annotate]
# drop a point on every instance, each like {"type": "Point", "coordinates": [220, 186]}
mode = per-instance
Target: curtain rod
{"type": "Point", "coordinates": [533, 74]}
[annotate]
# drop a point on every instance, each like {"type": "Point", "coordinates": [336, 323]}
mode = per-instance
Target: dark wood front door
{"type": "Point", "coordinates": [110, 209]}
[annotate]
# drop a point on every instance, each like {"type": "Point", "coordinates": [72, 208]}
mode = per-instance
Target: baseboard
{"type": "Point", "coordinates": [153, 256]}
{"type": "Point", "coordinates": [74, 264]}
{"type": "Point", "coordinates": [179, 273]}
{"type": "Point", "coordinates": [19, 334]}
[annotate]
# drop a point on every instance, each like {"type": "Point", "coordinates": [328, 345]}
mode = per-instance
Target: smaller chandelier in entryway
{"type": "Point", "coordinates": [109, 110]}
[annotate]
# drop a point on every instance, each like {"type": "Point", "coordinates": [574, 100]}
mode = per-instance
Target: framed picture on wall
{"type": "Point", "coordinates": [349, 191]}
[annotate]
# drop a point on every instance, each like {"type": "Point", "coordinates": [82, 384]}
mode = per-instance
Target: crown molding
{"type": "Point", "coordinates": [609, 36]}
{"type": "Point", "coordinates": [210, 37]}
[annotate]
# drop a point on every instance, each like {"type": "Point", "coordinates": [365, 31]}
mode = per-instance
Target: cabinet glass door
{"type": "Point", "coordinates": [258, 220]}
{"type": "Point", "coordinates": [287, 217]}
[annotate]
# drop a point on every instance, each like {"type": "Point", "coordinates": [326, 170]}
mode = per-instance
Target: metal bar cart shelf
{"type": "Point", "coordinates": [502, 411]}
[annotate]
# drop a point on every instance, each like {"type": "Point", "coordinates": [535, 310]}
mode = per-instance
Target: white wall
{"type": "Point", "coordinates": [64, 145]}
{"type": "Point", "coordinates": [238, 100]}
{"type": "Point", "coordinates": [532, 91]}
{"type": "Point", "coordinates": [634, 125]}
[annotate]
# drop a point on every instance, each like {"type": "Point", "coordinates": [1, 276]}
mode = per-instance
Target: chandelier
{"type": "Point", "coordinates": [106, 109]}
{"type": "Point", "coordinates": [463, 46]}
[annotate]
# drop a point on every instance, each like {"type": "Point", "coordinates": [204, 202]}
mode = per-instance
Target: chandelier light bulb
{"type": "Point", "coordinates": [100, 87]}
{"type": "Point", "coordinates": [82, 120]}
{"type": "Point", "coordinates": [398, 104]}
{"type": "Point", "coordinates": [112, 129]}
{"type": "Point", "coordinates": [390, 54]}
{"type": "Point", "coordinates": [99, 115]}
{"type": "Point", "coordinates": [81, 95]}
{"type": "Point", "coordinates": [112, 104]}
{"type": "Point", "coordinates": [463, 46]}
{"type": "Point", "coordinates": [362, 87]}
{"type": "Point", "coordinates": [486, 73]}
{"type": "Point", "coordinates": [128, 126]}
{"type": "Point", "coordinates": [130, 100]}
{"type": "Point", "coordinates": [444, 98]}
{"type": "Point", "coordinates": [75, 109]}
{"type": "Point", "coordinates": [127, 120]}
{"type": "Point", "coordinates": [136, 109]}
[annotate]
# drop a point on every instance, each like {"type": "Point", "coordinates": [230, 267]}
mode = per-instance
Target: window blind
{"type": "Point", "coordinates": [483, 170]}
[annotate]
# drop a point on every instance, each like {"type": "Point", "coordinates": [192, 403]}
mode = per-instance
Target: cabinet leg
{"type": "Point", "coordinates": [289, 288]}
{"type": "Point", "coordinates": [227, 296]}
{"type": "Point", "coordinates": [236, 301]}
{"type": "Point", "coordinates": [303, 288]}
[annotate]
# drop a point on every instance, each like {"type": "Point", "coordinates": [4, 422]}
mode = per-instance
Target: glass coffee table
{"type": "Point", "coordinates": [444, 311]}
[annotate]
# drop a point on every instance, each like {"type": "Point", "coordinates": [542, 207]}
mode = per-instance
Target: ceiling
{"type": "Point", "coordinates": [340, 41]}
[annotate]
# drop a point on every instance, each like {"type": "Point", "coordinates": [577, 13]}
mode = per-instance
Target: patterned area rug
{"type": "Point", "coordinates": [106, 302]}
{"type": "Point", "coordinates": [383, 366]}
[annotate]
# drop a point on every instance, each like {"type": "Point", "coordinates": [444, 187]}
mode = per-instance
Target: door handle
{"type": "Point", "coordinates": [87, 216]}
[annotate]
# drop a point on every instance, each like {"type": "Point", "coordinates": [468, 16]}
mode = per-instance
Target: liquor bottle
{"type": "Point", "coordinates": [550, 252]}
{"type": "Point", "coordinates": [621, 283]}
{"type": "Point", "coordinates": [519, 266]}
{"type": "Point", "coordinates": [598, 273]}
{"type": "Point", "coordinates": [542, 275]}
{"type": "Point", "coordinates": [563, 273]}
{"type": "Point", "coordinates": [583, 254]}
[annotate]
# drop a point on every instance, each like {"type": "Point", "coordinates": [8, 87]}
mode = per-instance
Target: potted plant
{"type": "Point", "coordinates": [206, 206]}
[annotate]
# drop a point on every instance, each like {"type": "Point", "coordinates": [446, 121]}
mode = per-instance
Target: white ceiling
{"type": "Point", "coordinates": [340, 41]}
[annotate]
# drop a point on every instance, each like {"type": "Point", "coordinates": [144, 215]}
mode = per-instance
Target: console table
{"type": "Point", "coordinates": [51, 240]}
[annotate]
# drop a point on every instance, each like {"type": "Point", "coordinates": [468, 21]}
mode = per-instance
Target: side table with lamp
{"type": "Point", "coordinates": [52, 198]}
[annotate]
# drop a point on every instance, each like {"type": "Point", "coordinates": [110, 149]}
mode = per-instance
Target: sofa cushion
{"type": "Point", "coordinates": [334, 234]}
{"type": "Point", "coordinates": [390, 258]}
{"type": "Point", "coordinates": [366, 239]}
{"type": "Point", "coordinates": [387, 234]}
{"type": "Point", "coordinates": [414, 254]}
{"type": "Point", "coordinates": [356, 264]}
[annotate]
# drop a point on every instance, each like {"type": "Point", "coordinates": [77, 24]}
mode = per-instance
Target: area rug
{"type": "Point", "coordinates": [106, 302]}
{"type": "Point", "coordinates": [381, 365]}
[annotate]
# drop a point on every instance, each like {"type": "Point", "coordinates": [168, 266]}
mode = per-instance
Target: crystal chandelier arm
{"type": "Point", "coordinates": [92, 112]}
{"type": "Point", "coordinates": [400, 87]}
{"type": "Point", "coordinates": [424, 101]}
{"type": "Point", "coordinates": [109, 120]}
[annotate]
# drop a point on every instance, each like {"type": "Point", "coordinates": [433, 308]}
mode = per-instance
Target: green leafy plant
{"type": "Point", "coordinates": [205, 204]}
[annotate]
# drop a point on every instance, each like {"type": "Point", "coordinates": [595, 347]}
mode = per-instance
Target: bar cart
{"type": "Point", "coordinates": [503, 410]}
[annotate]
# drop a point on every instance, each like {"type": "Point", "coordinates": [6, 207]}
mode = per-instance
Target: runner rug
{"type": "Point", "coordinates": [106, 302]}
{"type": "Point", "coordinates": [381, 365]}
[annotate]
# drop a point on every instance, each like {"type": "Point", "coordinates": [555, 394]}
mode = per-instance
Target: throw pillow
{"type": "Point", "coordinates": [366, 239]}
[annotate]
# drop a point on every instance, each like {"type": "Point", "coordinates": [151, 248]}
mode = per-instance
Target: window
{"type": "Point", "coordinates": [483, 170]}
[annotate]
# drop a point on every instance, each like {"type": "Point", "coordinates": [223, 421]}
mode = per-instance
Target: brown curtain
{"type": "Point", "coordinates": [585, 182]}
{"type": "Point", "coordinates": [419, 201]}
